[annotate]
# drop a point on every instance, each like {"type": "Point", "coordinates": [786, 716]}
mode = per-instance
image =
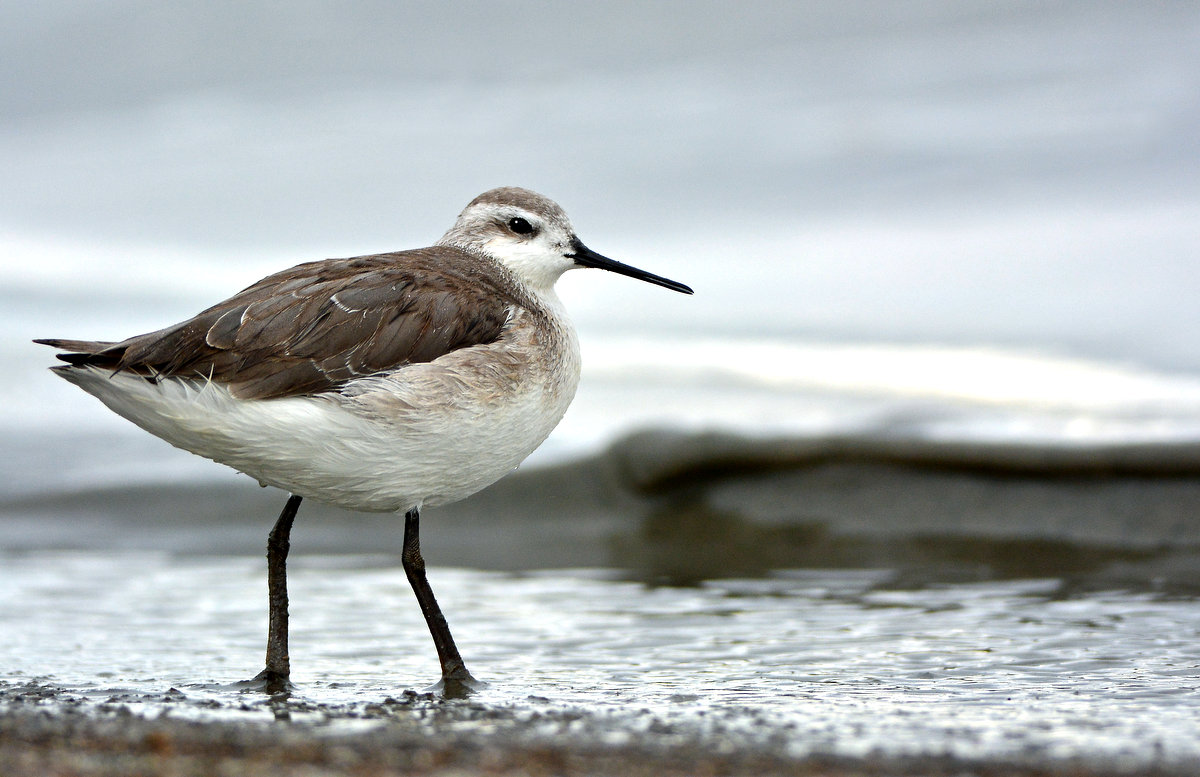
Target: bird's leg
{"type": "Point", "coordinates": [274, 678]}
{"type": "Point", "coordinates": [456, 680]}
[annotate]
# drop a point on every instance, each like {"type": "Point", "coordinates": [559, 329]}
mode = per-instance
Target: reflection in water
{"type": "Point", "coordinates": [843, 662]}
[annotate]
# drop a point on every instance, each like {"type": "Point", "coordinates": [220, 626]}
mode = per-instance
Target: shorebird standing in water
{"type": "Point", "coordinates": [384, 383]}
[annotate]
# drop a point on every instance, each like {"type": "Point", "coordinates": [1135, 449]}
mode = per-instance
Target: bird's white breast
{"type": "Point", "coordinates": [425, 434]}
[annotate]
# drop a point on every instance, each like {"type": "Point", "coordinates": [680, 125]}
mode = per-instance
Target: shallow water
{"type": "Point", "coordinates": [840, 662]}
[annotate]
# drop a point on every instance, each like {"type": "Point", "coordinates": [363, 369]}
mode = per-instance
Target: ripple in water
{"type": "Point", "coordinates": [832, 662]}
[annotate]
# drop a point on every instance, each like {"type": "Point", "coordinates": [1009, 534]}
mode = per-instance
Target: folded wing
{"type": "Point", "coordinates": [312, 328]}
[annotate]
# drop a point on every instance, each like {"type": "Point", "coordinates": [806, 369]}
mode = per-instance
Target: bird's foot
{"type": "Point", "coordinates": [456, 684]}
{"type": "Point", "coordinates": [270, 682]}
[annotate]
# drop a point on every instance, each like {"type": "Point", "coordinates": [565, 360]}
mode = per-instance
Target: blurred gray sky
{"type": "Point", "coordinates": [941, 170]}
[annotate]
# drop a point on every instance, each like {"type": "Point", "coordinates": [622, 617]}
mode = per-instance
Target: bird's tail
{"type": "Point", "coordinates": [81, 353]}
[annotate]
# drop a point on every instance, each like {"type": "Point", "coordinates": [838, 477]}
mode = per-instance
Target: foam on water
{"type": "Point", "coordinates": [813, 662]}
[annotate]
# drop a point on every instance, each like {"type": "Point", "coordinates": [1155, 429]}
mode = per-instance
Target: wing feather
{"type": "Point", "coordinates": [312, 328]}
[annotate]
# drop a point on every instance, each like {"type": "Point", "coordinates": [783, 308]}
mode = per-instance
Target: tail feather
{"type": "Point", "coordinates": [80, 353]}
{"type": "Point", "coordinates": [75, 346]}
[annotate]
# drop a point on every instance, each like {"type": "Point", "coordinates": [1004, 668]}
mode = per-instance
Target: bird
{"type": "Point", "coordinates": [384, 383]}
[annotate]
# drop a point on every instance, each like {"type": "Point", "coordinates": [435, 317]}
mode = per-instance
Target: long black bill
{"type": "Point", "coordinates": [586, 257]}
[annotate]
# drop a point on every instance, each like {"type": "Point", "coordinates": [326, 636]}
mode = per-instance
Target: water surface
{"type": "Point", "coordinates": [839, 662]}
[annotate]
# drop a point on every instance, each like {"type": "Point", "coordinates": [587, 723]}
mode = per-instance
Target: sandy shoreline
{"type": "Point", "coordinates": [737, 506]}
{"type": "Point", "coordinates": [42, 734]}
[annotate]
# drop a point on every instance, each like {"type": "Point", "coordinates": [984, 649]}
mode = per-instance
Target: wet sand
{"type": "Point", "coordinates": [42, 733]}
{"type": "Point", "coordinates": [734, 506]}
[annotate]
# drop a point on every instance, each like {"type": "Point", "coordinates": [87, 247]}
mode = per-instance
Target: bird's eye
{"type": "Point", "coordinates": [520, 226]}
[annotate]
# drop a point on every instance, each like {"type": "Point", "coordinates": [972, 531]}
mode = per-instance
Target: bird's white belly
{"type": "Point", "coordinates": [429, 434]}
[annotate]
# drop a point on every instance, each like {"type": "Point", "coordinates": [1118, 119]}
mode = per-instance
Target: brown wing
{"type": "Point", "coordinates": [315, 326]}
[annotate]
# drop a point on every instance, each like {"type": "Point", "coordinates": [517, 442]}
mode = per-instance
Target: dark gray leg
{"type": "Point", "coordinates": [456, 679]}
{"type": "Point", "coordinates": [274, 678]}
